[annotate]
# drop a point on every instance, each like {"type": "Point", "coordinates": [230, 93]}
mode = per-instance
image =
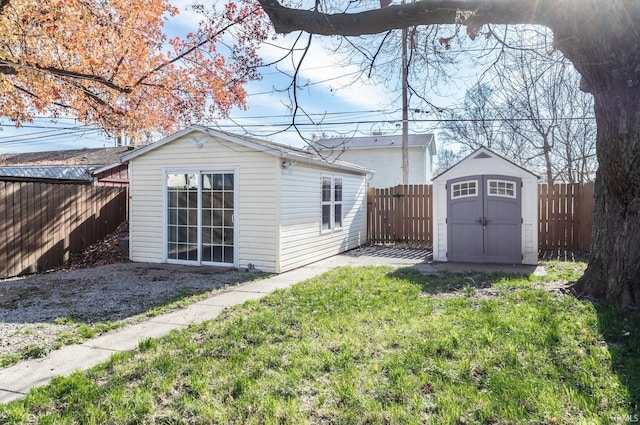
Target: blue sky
{"type": "Point", "coordinates": [333, 98]}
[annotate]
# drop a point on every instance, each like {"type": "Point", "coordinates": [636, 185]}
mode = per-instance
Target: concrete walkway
{"type": "Point", "coordinates": [17, 380]}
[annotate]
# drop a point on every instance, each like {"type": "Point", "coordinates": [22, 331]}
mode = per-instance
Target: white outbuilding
{"type": "Point", "coordinates": [485, 211]}
{"type": "Point", "coordinates": [202, 196]}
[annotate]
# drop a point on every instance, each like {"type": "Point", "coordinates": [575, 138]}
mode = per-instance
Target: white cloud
{"type": "Point", "coordinates": [326, 70]}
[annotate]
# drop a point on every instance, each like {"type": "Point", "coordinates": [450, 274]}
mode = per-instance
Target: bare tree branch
{"type": "Point", "coordinates": [10, 68]}
{"type": "Point", "coordinates": [473, 13]}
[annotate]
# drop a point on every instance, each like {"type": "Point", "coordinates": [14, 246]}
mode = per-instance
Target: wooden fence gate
{"type": "Point", "coordinates": [404, 214]}
{"type": "Point", "coordinates": [400, 214]}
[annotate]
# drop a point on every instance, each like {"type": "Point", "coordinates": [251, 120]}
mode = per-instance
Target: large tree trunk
{"type": "Point", "coordinates": [613, 272]}
{"type": "Point", "coordinates": [604, 48]}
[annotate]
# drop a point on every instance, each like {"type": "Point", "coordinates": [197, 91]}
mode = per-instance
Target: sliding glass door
{"type": "Point", "coordinates": [217, 217]}
{"type": "Point", "coordinates": [200, 217]}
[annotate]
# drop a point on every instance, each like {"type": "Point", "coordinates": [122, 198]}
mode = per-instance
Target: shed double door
{"type": "Point", "coordinates": [484, 219]}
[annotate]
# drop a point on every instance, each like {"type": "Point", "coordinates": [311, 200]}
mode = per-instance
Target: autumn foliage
{"type": "Point", "coordinates": [110, 63]}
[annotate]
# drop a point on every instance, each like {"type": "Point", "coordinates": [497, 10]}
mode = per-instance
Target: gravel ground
{"type": "Point", "coordinates": [29, 306]}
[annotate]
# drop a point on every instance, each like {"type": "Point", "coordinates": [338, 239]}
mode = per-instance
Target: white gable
{"type": "Point", "coordinates": [484, 161]}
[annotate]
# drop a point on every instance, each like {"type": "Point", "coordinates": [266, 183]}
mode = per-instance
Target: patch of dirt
{"type": "Point", "coordinates": [36, 310]}
{"type": "Point", "coordinates": [482, 291]}
{"type": "Point", "coordinates": [98, 285]}
{"type": "Point", "coordinates": [100, 253]}
{"type": "Point", "coordinates": [563, 255]}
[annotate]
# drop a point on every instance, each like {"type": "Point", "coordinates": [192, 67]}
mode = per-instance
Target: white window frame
{"type": "Point", "coordinates": [331, 203]}
{"type": "Point", "coordinates": [460, 189]}
{"type": "Point", "coordinates": [337, 202]}
{"type": "Point", "coordinates": [507, 185]}
{"type": "Point", "coordinates": [326, 203]}
{"type": "Point", "coordinates": [198, 171]}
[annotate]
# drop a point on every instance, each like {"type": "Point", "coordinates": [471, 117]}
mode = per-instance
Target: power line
{"type": "Point", "coordinates": [47, 138]}
{"type": "Point", "coordinates": [399, 120]}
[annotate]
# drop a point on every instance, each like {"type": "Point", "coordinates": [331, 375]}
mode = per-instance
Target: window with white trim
{"type": "Point", "coordinates": [337, 203]}
{"type": "Point", "coordinates": [504, 188]}
{"type": "Point", "coordinates": [464, 189]}
{"type": "Point", "coordinates": [331, 203]}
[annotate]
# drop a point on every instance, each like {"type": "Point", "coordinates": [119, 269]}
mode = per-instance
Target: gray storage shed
{"type": "Point", "coordinates": [485, 211]}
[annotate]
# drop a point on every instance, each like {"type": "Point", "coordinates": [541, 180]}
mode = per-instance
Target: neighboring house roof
{"type": "Point", "coordinates": [74, 164]}
{"type": "Point", "coordinates": [96, 157]}
{"type": "Point", "coordinates": [51, 172]}
{"type": "Point", "coordinates": [368, 142]}
{"type": "Point", "coordinates": [271, 148]}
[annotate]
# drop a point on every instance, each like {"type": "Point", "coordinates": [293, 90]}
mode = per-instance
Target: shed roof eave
{"type": "Point", "coordinates": [106, 168]}
{"type": "Point", "coordinates": [341, 166]}
{"type": "Point", "coordinates": [481, 148]}
{"type": "Point", "coordinates": [276, 149]}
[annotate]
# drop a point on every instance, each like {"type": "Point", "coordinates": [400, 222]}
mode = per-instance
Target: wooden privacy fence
{"type": "Point", "coordinates": [404, 214]}
{"type": "Point", "coordinates": [400, 214]}
{"type": "Point", "coordinates": [565, 216]}
{"type": "Point", "coordinates": [42, 224]}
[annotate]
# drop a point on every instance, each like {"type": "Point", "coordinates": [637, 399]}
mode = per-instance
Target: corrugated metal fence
{"type": "Point", "coordinates": [42, 224]}
{"type": "Point", "coordinates": [404, 214]}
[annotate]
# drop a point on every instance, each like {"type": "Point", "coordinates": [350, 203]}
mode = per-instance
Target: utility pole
{"type": "Point", "coordinates": [405, 110]}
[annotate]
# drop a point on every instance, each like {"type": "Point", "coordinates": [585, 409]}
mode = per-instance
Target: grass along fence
{"type": "Point", "coordinates": [43, 224]}
{"type": "Point", "coordinates": [405, 214]}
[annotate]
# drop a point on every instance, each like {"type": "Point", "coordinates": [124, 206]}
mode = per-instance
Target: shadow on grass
{"type": "Point", "coordinates": [619, 329]}
{"type": "Point", "coordinates": [621, 332]}
{"type": "Point", "coordinates": [450, 282]}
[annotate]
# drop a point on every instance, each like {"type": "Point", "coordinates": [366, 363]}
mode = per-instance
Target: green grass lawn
{"type": "Point", "coordinates": [372, 345]}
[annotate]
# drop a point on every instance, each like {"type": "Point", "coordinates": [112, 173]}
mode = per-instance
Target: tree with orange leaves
{"type": "Point", "coordinates": [110, 63]}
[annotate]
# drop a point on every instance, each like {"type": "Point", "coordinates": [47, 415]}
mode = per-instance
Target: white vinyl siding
{"type": "Point", "coordinates": [386, 162]}
{"type": "Point", "coordinates": [302, 240]}
{"type": "Point", "coordinates": [256, 206]}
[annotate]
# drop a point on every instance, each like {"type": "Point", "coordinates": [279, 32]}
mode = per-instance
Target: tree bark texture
{"type": "Point", "coordinates": [613, 273]}
{"type": "Point", "coordinates": [604, 46]}
{"type": "Point", "coordinates": [472, 13]}
{"type": "Point", "coordinates": [602, 39]}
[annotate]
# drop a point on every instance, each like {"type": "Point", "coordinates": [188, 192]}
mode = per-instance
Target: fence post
{"type": "Point", "coordinates": [398, 213]}
{"type": "Point", "coordinates": [370, 216]}
{"type": "Point", "coordinates": [4, 231]}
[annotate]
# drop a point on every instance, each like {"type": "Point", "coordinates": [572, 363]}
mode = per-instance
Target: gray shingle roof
{"type": "Point", "coordinates": [99, 156]}
{"type": "Point", "coordinates": [371, 142]}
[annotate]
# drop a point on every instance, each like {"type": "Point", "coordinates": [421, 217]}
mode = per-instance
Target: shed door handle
{"type": "Point", "coordinates": [483, 221]}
